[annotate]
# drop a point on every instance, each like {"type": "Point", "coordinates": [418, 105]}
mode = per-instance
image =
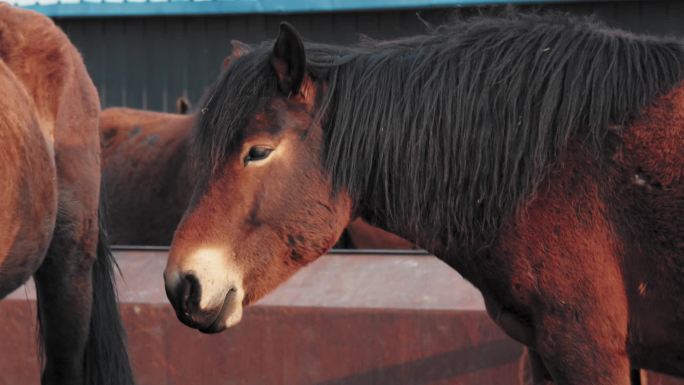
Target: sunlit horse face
{"type": "Point", "coordinates": [264, 211]}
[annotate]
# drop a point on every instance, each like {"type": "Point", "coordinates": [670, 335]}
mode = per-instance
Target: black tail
{"type": "Point", "coordinates": [106, 354]}
{"type": "Point", "coordinates": [635, 376]}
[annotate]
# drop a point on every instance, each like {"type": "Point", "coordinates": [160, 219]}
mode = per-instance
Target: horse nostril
{"type": "Point", "coordinates": [190, 293]}
{"type": "Point", "coordinates": [184, 293]}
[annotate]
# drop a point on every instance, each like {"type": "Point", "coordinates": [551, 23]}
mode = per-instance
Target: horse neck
{"type": "Point", "coordinates": [372, 211]}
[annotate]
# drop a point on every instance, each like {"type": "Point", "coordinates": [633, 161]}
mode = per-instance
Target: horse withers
{"type": "Point", "coordinates": [49, 221]}
{"type": "Point", "coordinates": [539, 155]}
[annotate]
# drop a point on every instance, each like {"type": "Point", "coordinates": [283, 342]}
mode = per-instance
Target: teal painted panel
{"type": "Point", "coordinates": [79, 8]}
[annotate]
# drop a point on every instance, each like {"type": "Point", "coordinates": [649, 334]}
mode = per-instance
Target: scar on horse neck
{"type": "Point", "coordinates": [641, 179]}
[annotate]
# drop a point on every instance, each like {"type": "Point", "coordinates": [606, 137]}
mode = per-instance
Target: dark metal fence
{"type": "Point", "coordinates": [147, 62]}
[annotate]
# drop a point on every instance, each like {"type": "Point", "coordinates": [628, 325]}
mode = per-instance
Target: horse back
{"type": "Point", "coordinates": [147, 177]}
{"type": "Point", "coordinates": [51, 70]}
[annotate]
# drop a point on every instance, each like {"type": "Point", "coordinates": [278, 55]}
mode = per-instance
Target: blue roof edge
{"type": "Point", "coordinates": [237, 7]}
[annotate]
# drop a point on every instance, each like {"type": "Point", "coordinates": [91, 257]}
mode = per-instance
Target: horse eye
{"type": "Point", "coordinates": [257, 153]}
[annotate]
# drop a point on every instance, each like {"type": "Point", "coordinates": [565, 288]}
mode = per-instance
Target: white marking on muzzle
{"type": "Point", "coordinates": [234, 314]}
{"type": "Point", "coordinates": [217, 274]}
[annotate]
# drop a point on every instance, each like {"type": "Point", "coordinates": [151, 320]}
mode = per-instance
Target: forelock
{"type": "Point", "coordinates": [240, 92]}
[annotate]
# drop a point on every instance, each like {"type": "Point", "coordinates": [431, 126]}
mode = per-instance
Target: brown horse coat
{"type": "Point", "coordinates": [49, 69]}
{"type": "Point", "coordinates": [27, 205]}
{"type": "Point", "coordinates": [147, 178]}
{"type": "Point", "coordinates": [618, 233]}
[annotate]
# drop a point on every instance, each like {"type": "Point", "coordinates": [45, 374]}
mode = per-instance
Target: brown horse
{"type": "Point", "coordinates": [148, 182]}
{"type": "Point", "coordinates": [539, 155]}
{"type": "Point", "coordinates": [49, 166]}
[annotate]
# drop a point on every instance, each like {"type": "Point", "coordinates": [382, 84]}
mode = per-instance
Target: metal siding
{"type": "Point", "coordinates": [147, 62]}
{"type": "Point", "coordinates": [136, 59]}
{"type": "Point", "coordinates": [155, 79]}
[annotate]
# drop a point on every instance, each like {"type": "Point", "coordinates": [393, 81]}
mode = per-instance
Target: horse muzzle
{"type": "Point", "coordinates": [211, 315]}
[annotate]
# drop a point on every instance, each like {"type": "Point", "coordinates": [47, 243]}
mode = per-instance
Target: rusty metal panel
{"type": "Point", "coordinates": [18, 350]}
{"type": "Point", "coordinates": [353, 319]}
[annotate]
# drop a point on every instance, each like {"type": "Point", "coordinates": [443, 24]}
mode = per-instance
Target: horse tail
{"type": "Point", "coordinates": [635, 376]}
{"type": "Point", "coordinates": [106, 353]}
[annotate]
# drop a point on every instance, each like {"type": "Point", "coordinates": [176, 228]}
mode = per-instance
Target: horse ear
{"type": "Point", "coordinates": [182, 105]}
{"type": "Point", "coordinates": [288, 59]}
{"type": "Point", "coordinates": [237, 49]}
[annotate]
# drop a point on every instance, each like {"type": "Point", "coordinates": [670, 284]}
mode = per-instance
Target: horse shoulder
{"type": "Point", "coordinates": [650, 195]}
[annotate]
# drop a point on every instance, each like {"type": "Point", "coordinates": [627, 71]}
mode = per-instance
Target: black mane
{"type": "Point", "coordinates": [441, 136]}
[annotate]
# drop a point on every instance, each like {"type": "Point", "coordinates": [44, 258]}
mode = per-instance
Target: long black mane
{"type": "Point", "coordinates": [439, 137]}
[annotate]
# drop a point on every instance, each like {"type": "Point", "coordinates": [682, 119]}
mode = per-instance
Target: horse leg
{"type": "Point", "coordinates": [581, 330]}
{"type": "Point", "coordinates": [638, 377]}
{"type": "Point", "coordinates": [573, 370]}
{"type": "Point", "coordinates": [533, 372]}
{"type": "Point", "coordinates": [64, 289]}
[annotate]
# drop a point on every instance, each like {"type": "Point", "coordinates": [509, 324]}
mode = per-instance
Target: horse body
{"type": "Point", "coordinates": [600, 263]}
{"type": "Point", "coordinates": [591, 228]}
{"type": "Point", "coordinates": [147, 178]}
{"type": "Point", "coordinates": [77, 306]}
{"type": "Point", "coordinates": [29, 205]}
{"type": "Point", "coordinates": [540, 156]}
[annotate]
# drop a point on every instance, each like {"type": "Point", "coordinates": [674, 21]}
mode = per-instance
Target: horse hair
{"type": "Point", "coordinates": [441, 136]}
{"type": "Point", "coordinates": [106, 354]}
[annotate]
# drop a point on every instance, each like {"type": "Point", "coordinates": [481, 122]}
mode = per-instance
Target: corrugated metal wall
{"type": "Point", "coordinates": [149, 62]}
